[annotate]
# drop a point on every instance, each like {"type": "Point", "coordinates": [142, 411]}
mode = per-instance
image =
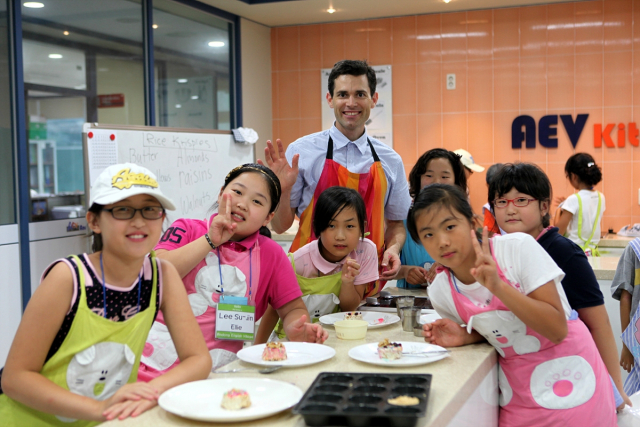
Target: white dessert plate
{"type": "Point", "coordinates": [200, 400]}
{"type": "Point", "coordinates": [368, 353]}
{"type": "Point", "coordinates": [376, 319]}
{"type": "Point", "coordinates": [298, 354]}
{"type": "Point", "coordinates": [428, 318]}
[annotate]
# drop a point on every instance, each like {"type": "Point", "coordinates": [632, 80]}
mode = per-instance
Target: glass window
{"type": "Point", "coordinates": [83, 62]}
{"type": "Point", "coordinates": [192, 55]}
{"type": "Point", "coordinates": [7, 183]}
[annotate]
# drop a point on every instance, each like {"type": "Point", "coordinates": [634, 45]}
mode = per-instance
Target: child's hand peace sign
{"type": "Point", "coordinates": [222, 226]}
{"type": "Point", "coordinates": [485, 270]}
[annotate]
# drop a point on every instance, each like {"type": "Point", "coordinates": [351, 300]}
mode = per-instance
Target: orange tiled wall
{"type": "Point", "coordinates": [568, 58]}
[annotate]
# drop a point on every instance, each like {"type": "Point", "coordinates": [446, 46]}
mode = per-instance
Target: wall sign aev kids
{"type": "Point", "coordinates": [523, 128]}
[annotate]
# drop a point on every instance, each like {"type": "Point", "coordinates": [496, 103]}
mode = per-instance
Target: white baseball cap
{"type": "Point", "coordinates": [467, 160]}
{"type": "Point", "coordinates": [117, 182]}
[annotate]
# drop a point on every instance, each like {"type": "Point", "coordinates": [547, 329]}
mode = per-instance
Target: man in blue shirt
{"type": "Point", "coordinates": [320, 160]}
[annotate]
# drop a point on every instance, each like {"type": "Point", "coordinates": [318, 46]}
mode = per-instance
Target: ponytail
{"type": "Point", "coordinates": [265, 232]}
{"type": "Point", "coordinates": [584, 167]}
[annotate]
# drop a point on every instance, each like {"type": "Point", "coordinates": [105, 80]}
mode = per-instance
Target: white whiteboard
{"type": "Point", "coordinates": [190, 164]}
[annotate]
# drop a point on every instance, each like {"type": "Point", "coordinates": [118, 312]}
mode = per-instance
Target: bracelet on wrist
{"type": "Point", "coordinates": [206, 236]}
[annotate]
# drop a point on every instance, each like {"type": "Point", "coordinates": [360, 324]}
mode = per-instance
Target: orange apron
{"type": "Point", "coordinates": [371, 185]}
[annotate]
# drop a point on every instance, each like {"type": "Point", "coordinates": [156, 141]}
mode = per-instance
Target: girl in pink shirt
{"type": "Point", "coordinates": [225, 259]}
{"type": "Point", "coordinates": [333, 271]}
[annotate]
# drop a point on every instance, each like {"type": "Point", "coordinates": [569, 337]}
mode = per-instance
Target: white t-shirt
{"type": "Point", "coordinates": [589, 210]}
{"type": "Point", "coordinates": [521, 259]}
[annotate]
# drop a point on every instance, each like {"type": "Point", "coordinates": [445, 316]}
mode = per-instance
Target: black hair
{"type": "Point", "coordinates": [352, 67]}
{"type": "Point", "coordinates": [96, 243]}
{"type": "Point", "coordinates": [273, 183]}
{"type": "Point", "coordinates": [334, 200]}
{"type": "Point", "coordinates": [584, 167]}
{"type": "Point", "coordinates": [264, 231]}
{"type": "Point", "coordinates": [432, 196]}
{"type": "Point", "coordinates": [492, 171]}
{"type": "Point", "coordinates": [421, 167]}
{"type": "Point", "coordinates": [527, 178]}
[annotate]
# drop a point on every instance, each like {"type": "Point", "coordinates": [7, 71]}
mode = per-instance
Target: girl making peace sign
{"type": "Point", "coordinates": [507, 291]}
{"type": "Point", "coordinates": [225, 259]}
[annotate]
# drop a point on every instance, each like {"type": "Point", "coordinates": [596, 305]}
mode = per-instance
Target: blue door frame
{"type": "Point", "coordinates": [18, 110]}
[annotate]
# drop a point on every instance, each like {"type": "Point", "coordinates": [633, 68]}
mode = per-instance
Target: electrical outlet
{"type": "Point", "coordinates": [451, 81]}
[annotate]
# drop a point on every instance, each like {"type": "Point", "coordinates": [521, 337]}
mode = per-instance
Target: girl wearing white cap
{"type": "Point", "coordinates": [74, 360]}
{"type": "Point", "coordinates": [470, 166]}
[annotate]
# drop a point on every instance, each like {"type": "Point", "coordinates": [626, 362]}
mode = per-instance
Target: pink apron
{"type": "Point", "coordinates": [542, 383]}
{"type": "Point", "coordinates": [232, 270]}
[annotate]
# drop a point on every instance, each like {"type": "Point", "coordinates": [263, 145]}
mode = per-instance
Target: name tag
{"type": "Point", "coordinates": [226, 299]}
{"type": "Point", "coordinates": [235, 322]}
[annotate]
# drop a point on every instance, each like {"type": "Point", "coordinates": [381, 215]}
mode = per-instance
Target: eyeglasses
{"type": "Point", "coordinates": [519, 202]}
{"type": "Point", "coordinates": [126, 212]}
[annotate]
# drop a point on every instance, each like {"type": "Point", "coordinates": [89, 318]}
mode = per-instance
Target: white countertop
{"type": "Point", "coordinates": [454, 379]}
{"type": "Point", "coordinates": [604, 267]}
{"type": "Point", "coordinates": [614, 241]}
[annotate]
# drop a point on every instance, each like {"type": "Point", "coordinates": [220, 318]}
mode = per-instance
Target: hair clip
{"type": "Point", "coordinates": [590, 164]}
{"type": "Point", "coordinates": [249, 166]}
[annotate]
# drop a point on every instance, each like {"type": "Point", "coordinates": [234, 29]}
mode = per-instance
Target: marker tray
{"type": "Point", "coordinates": [360, 399]}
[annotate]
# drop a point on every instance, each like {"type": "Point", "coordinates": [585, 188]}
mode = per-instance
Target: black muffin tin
{"type": "Point", "coordinates": [360, 399]}
{"type": "Point", "coordinates": [390, 302]}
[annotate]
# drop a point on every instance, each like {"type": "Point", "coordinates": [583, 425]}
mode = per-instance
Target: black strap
{"type": "Point", "coordinates": [373, 151]}
{"type": "Point", "coordinates": [330, 150]}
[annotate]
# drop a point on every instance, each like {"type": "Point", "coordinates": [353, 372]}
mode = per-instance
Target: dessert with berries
{"type": "Point", "coordinates": [389, 350]}
{"type": "Point", "coordinates": [235, 399]}
{"type": "Point", "coordinates": [274, 351]}
{"type": "Point", "coordinates": [353, 315]}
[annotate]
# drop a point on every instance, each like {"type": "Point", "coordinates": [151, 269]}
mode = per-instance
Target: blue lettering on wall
{"type": "Point", "coordinates": [574, 130]}
{"type": "Point", "coordinates": [547, 131]}
{"type": "Point", "coordinates": [523, 128]}
{"type": "Point", "coordinates": [518, 135]}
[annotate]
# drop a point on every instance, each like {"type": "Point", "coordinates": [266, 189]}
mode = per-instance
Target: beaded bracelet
{"type": "Point", "coordinates": [206, 236]}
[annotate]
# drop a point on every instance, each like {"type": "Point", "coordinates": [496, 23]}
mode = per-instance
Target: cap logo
{"type": "Point", "coordinates": [126, 179]}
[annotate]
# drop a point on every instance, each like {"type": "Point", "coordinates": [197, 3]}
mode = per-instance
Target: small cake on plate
{"type": "Point", "coordinates": [389, 350]}
{"type": "Point", "coordinates": [274, 351]}
{"type": "Point", "coordinates": [353, 315]}
{"type": "Point", "coordinates": [235, 399]}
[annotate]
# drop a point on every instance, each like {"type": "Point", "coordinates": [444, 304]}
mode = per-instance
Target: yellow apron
{"type": "Point", "coordinates": [587, 243]}
{"type": "Point", "coordinates": [94, 345]}
{"type": "Point", "coordinates": [320, 295]}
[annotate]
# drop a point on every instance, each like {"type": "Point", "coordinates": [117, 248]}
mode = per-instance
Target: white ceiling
{"type": "Point", "coordinates": [298, 12]}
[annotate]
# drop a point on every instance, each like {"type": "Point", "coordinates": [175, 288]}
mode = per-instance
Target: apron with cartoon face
{"type": "Point", "coordinates": [320, 295]}
{"type": "Point", "coordinates": [97, 357]}
{"type": "Point", "coordinates": [236, 273]}
{"type": "Point", "coordinates": [541, 383]}
{"type": "Point", "coordinates": [631, 338]}
{"type": "Point", "coordinates": [371, 185]}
